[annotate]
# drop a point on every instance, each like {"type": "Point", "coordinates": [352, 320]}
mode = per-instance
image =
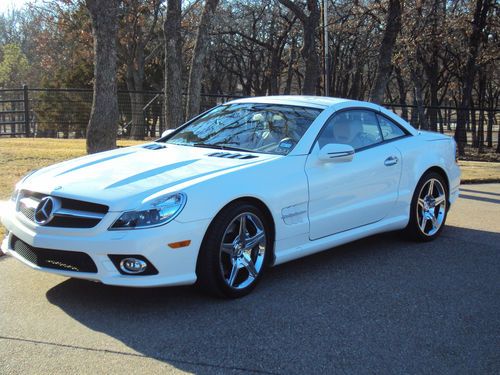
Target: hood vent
{"type": "Point", "coordinates": [230, 155]}
{"type": "Point", "coordinates": [154, 146]}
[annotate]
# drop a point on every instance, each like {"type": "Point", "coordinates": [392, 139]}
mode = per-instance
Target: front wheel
{"type": "Point", "coordinates": [429, 208]}
{"type": "Point", "coordinates": [234, 251]}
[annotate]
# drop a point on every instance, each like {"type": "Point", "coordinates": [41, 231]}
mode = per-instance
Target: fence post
{"type": "Point", "coordinates": [26, 111]}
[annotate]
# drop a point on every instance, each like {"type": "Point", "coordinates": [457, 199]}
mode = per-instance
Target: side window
{"type": "Point", "coordinates": [357, 128]}
{"type": "Point", "coordinates": [389, 129]}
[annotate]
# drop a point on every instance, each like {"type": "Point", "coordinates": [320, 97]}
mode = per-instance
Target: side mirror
{"type": "Point", "coordinates": [166, 132]}
{"type": "Point", "coordinates": [336, 152]}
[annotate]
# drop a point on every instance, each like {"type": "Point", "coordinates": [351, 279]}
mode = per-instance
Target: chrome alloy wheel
{"type": "Point", "coordinates": [242, 250]}
{"type": "Point", "coordinates": [431, 207]}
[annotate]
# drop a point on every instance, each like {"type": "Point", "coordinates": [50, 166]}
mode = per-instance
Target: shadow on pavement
{"type": "Point", "coordinates": [477, 198]}
{"type": "Point", "coordinates": [381, 303]}
{"type": "Point", "coordinates": [479, 191]}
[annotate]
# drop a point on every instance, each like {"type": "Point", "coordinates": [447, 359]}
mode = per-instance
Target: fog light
{"type": "Point", "coordinates": [133, 265]}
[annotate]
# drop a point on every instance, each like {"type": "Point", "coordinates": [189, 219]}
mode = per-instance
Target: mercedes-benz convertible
{"type": "Point", "coordinates": [247, 185]}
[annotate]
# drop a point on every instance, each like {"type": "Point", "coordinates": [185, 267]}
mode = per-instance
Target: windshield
{"type": "Point", "coordinates": [252, 127]}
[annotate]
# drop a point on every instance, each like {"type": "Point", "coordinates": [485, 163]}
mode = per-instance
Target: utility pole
{"type": "Point", "coordinates": [326, 57]}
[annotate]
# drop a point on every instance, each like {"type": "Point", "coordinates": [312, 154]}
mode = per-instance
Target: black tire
{"type": "Point", "coordinates": [212, 264]}
{"type": "Point", "coordinates": [419, 211]}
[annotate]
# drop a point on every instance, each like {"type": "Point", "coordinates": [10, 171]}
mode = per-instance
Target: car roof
{"type": "Point", "coordinates": [321, 102]}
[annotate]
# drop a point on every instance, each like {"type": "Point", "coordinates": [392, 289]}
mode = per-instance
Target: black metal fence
{"type": "Point", "coordinates": [64, 113]}
{"type": "Point", "coordinates": [481, 127]}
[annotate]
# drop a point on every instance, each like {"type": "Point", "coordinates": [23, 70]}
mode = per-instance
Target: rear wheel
{"type": "Point", "coordinates": [429, 208]}
{"type": "Point", "coordinates": [234, 251]}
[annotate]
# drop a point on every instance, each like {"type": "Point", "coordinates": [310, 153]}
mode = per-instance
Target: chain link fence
{"type": "Point", "coordinates": [64, 113]}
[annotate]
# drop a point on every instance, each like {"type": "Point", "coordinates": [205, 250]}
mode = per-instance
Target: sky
{"type": "Point", "coordinates": [11, 4]}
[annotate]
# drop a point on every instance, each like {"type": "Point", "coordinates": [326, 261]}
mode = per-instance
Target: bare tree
{"type": "Point", "coordinates": [393, 26]}
{"type": "Point", "coordinates": [478, 23]}
{"type": "Point", "coordinates": [272, 36]}
{"type": "Point", "coordinates": [310, 23]}
{"type": "Point", "coordinates": [198, 60]}
{"type": "Point", "coordinates": [137, 32]}
{"type": "Point", "coordinates": [102, 127]}
{"type": "Point", "coordinates": [173, 65]}
{"type": "Point", "coordinates": [446, 53]}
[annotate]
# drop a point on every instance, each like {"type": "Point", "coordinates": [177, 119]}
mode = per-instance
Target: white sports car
{"type": "Point", "coordinates": [249, 184]}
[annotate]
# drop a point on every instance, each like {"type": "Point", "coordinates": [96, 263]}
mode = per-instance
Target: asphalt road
{"type": "Point", "coordinates": [381, 305]}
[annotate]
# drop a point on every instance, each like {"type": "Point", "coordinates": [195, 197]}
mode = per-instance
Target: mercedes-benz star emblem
{"type": "Point", "coordinates": [44, 212]}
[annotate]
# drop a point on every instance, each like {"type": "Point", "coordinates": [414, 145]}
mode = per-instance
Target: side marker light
{"type": "Point", "coordinates": [179, 244]}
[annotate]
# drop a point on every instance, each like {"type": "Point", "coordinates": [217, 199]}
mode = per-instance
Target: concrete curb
{"type": "Point", "coordinates": [480, 181]}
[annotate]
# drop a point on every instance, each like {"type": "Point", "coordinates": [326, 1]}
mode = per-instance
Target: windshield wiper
{"type": "Point", "coordinates": [220, 147]}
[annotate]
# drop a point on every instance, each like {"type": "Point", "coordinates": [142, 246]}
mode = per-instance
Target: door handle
{"type": "Point", "coordinates": [391, 160]}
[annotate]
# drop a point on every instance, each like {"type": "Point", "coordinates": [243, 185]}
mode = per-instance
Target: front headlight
{"type": "Point", "coordinates": [14, 195]}
{"type": "Point", "coordinates": [157, 212]}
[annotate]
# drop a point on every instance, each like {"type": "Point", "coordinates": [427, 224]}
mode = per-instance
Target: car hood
{"type": "Point", "coordinates": [123, 178]}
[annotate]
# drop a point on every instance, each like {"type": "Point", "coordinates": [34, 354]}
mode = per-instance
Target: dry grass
{"type": "Point", "coordinates": [479, 171]}
{"type": "Point", "coordinates": [18, 156]}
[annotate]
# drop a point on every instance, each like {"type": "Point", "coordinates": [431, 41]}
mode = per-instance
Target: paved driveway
{"type": "Point", "coordinates": [380, 305]}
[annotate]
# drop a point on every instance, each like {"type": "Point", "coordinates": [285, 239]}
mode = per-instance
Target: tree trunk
{"type": "Point", "coordinates": [173, 65]}
{"type": "Point", "coordinates": [289, 72]}
{"type": "Point", "coordinates": [469, 73]}
{"type": "Point", "coordinates": [489, 131]}
{"type": "Point", "coordinates": [473, 123]}
{"type": "Point", "coordinates": [402, 94]}
{"type": "Point", "coordinates": [391, 32]}
{"type": "Point", "coordinates": [440, 118]}
{"type": "Point", "coordinates": [498, 143]}
{"type": "Point", "coordinates": [431, 63]}
{"type": "Point", "coordinates": [103, 122]}
{"type": "Point", "coordinates": [481, 103]}
{"type": "Point", "coordinates": [138, 125]}
{"type": "Point", "coordinates": [274, 73]}
{"type": "Point", "coordinates": [419, 100]}
{"type": "Point", "coordinates": [135, 82]}
{"type": "Point", "coordinates": [308, 51]}
{"type": "Point", "coordinates": [198, 60]}
{"type": "Point", "coordinates": [414, 112]}
{"type": "Point", "coordinates": [135, 35]}
{"type": "Point", "coordinates": [356, 85]}
{"type": "Point", "coordinates": [432, 74]}
{"type": "Point", "coordinates": [299, 80]}
{"type": "Point", "coordinates": [448, 119]}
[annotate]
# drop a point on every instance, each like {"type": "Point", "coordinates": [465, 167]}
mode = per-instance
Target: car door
{"type": "Point", "coordinates": [346, 195]}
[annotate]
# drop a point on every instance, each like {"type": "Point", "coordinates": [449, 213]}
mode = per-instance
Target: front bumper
{"type": "Point", "coordinates": [454, 175]}
{"type": "Point", "coordinates": [175, 266]}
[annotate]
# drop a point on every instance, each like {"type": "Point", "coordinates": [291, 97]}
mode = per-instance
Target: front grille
{"type": "Point", "coordinates": [73, 213]}
{"type": "Point", "coordinates": [73, 204]}
{"type": "Point", "coordinates": [72, 222]}
{"type": "Point", "coordinates": [75, 261]}
{"type": "Point", "coordinates": [28, 212]}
